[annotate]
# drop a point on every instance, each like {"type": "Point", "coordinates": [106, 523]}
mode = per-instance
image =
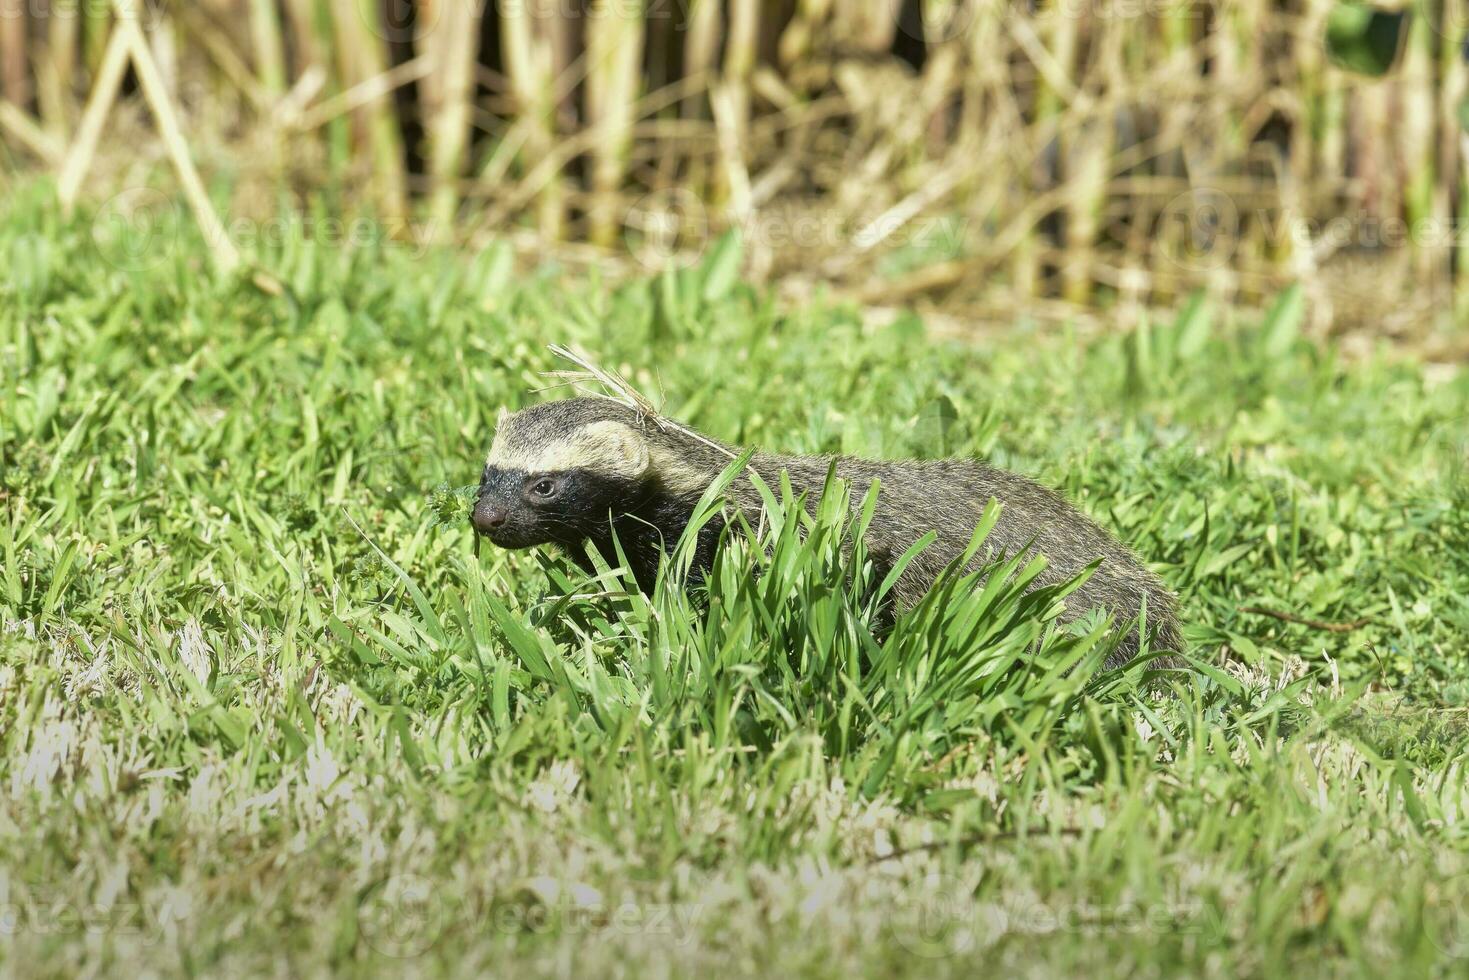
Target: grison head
{"type": "Point", "coordinates": [556, 472]}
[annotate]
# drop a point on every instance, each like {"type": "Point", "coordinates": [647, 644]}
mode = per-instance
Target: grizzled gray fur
{"type": "Point", "coordinates": [586, 469]}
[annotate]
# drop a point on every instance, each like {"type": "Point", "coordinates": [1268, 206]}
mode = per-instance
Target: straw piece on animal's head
{"type": "Point", "coordinates": [617, 388]}
{"type": "Point", "coordinates": [556, 470]}
{"type": "Point", "coordinates": [613, 385]}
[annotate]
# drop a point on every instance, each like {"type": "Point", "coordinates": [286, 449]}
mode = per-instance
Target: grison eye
{"type": "Point", "coordinates": [544, 488]}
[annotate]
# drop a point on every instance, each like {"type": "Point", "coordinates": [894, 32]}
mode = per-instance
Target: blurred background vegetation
{"type": "Point", "coordinates": [973, 157]}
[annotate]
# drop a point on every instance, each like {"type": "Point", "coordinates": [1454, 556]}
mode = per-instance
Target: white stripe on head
{"type": "Point", "coordinates": [607, 447]}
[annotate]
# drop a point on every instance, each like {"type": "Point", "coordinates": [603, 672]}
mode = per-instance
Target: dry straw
{"type": "Point", "coordinates": [597, 381]}
{"type": "Point", "coordinates": [951, 151]}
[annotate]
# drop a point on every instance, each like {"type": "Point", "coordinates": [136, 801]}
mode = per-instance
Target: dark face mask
{"type": "Point", "coordinates": [519, 510]}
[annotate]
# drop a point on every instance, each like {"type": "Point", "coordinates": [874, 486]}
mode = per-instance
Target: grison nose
{"type": "Point", "coordinates": [489, 516]}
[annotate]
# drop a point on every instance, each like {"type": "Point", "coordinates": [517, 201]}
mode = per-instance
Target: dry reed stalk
{"type": "Point", "coordinates": [96, 33]}
{"type": "Point", "coordinates": [1375, 147]}
{"type": "Point", "coordinates": [530, 65]}
{"type": "Point", "coordinates": [1416, 128]}
{"type": "Point", "coordinates": [54, 100]}
{"type": "Point", "coordinates": [1078, 147]}
{"type": "Point", "coordinates": [306, 18]}
{"type": "Point", "coordinates": [741, 47]}
{"type": "Point", "coordinates": [937, 84]}
{"type": "Point", "coordinates": [564, 30]}
{"type": "Point", "coordinates": [739, 62]}
{"type": "Point", "coordinates": [903, 213]}
{"type": "Point", "coordinates": [1174, 27]}
{"type": "Point", "coordinates": [1453, 161]}
{"type": "Point", "coordinates": [162, 40]}
{"type": "Point", "coordinates": [725, 102]}
{"type": "Point", "coordinates": [1322, 138]}
{"type": "Point", "coordinates": [1461, 291]}
{"type": "Point", "coordinates": [270, 48]}
{"type": "Point", "coordinates": [222, 249]}
{"type": "Point", "coordinates": [510, 146]}
{"type": "Point", "coordinates": [543, 175]}
{"type": "Point", "coordinates": [1087, 159]}
{"type": "Point", "coordinates": [455, 44]}
{"type": "Point", "coordinates": [1055, 89]}
{"type": "Point", "coordinates": [1025, 267]}
{"type": "Point", "coordinates": [1308, 63]}
{"type": "Point", "coordinates": [1331, 127]}
{"type": "Point", "coordinates": [222, 53]}
{"type": "Point", "coordinates": [1015, 236]}
{"type": "Point", "coordinates": [265, 87]}
{"type": "Point", "coordinates": [702, 32]}
{"type": "Point", "coordinates": [1227, 56]}
{"type": "Point", "coordinates": [796, 43]}
{"type": "Point", "coordinates": [363, 94]}
{"type": "Point", "coordinates": [355, 26]}
{"type": "Point", "coordinates": [63, 34]}
{"type": "Point", "coordinates": [304, 92]}
{"type": "Point", "coordinates": [15, 80]}
{"type": "Point", "coordinates": [614, 52]}
{"type": "Point", "coordinates": [876, 22]}
{"type": "Point", "coordinates": [29, 133]}
{"type": "Point", "coordinates": [99, 103]}
{"type": "Point", "coordinates": [495, 177]}
{"type": "Point", "coordinates": [430, 41]}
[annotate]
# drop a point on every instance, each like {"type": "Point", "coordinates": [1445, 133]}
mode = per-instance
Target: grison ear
{"type": "Point", "coordinates": [615, 448]}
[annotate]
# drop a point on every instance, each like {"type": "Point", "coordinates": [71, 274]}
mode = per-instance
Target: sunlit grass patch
{"type": "Point", "coordinates": [262, 702]}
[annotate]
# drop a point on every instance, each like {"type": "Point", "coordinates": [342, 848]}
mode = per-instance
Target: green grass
{"type": "Point", "coordinates": [263, 706]}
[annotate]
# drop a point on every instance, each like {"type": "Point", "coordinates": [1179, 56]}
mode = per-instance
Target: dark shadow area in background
{"type": "Point", "coordinates": [663, 58]}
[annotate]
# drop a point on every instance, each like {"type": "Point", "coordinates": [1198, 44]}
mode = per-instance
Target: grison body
{"type": "Point", "coordinates": [591, 469]}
